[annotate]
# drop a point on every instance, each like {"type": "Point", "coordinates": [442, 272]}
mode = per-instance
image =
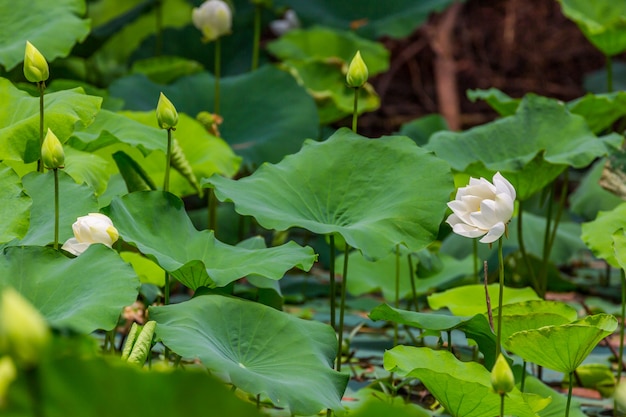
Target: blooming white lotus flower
{"type": "Point", "coordinates": [213, 18]}
{"type": "Point", "coordinates": [94, 228]}
{"type": "Point", "coordinates": [482, 208]}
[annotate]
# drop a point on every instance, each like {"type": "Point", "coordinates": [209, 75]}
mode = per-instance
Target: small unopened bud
{"type": "Point", "coordinates": [213, 18]}
{"type": "Point", "coordinates": [167, 117]}
{"type": "Point", "coordinates": [23, 331]}
{"type": "Point", "coordinates": [502, 379]}
{"type": "Point", "coordinates": [52, 153]}
{"type": "Point", "coordinates": [35, 65]}
{"type": "Point", "coordinates": [7, 374]}
{"type": "Point", "coordinates": [357, 72]}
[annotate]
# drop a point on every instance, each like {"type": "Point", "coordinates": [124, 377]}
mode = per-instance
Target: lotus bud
{"type": "Point", "coordinates": [23, 331]}
{"type": "Point", "coordinates": [213, 18]}
{"type": "Point", "coordinates": [357, 72]}
{"type": "Point", "coordinates": [167, 117]}
{"type": "Point", "coordinates": [35, 65]}
{"type": "Point", "coordinates": [7, 374]}
{"type": "Point", "coordinates": [52, 151]}
{"type": "Point", "coordinates": [502, 379]}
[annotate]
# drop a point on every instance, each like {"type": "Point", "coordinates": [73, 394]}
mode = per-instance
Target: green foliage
{"type": "Point", "coordinates": [15, 207]}
{"type": "Point", "coordinates": [267, 352]}
{"type": "Point", "coordinates": [597, 234]}
{"type": "Point", "coordinates": [327, 187]}
{"type": "Point", "coordinates": [157, 224]}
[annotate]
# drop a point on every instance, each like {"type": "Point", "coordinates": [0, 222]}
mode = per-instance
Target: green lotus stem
{"type": "Point", "coordinates": [620, 362]}
{"type": "Point", "coordinates": [217, 72]}
{"type": "Point", "coordinates": [500, 297]}
{"type": "Point", "coordinates": [569, 393]}
{"type": "Point", "coordinates": [559, 213]}
{"type": "Point", "coordinates": [609, 74]}
{"type": "Point", "coordinates": [158, 12]}
{"type": "Point", "coordinates": [550, 235]}
{"type": "Point", "coordinates": [257, 36]}
{"type": "Point", "coordinates": [168, 161]}
{"type": "Point", "coordinates": [523, 382]}
{"type": "Point", "coordinates": [355, 113]}
{"type": "Point", "coordinates": [449, 335]}
{"type": "Point", "coordinates": [56, 208]}
{"type": "Point", "coordinates": [342, 306]}
{"type": "Point", "coordinates": [502, 404]}
{"type": "Point", "coordinates": [412, 280]}
{"type": "Point", "coordinates": [41, 86]}
{"type": "Point", "coordinates": [331, 278]}
{"type": "Point", "coordinates": [397, 295]}
{"type": "Point", "coordinates": [522, 248]}
{"type": "Point", "coordinates": [475, 253]}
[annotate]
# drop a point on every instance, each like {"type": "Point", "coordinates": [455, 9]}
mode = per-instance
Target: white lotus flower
{"type": "Point", "coordinates": [94, 228]}
{"type": "Point", "coordinates": [483, 208]}
{"type": "Point", "coordinates": [213, 18]}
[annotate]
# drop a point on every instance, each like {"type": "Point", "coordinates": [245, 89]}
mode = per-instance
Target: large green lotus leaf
{"type": "Point", "coordinates": [371, 18]}
{"type": "Point", "coordinates": [501, 102]}
{"type": "Point", "coordinates": [366, 276]}
{"type": "Point", "coordinates": [597, 234]}
{"type": "Point", "coordinates": [360, 188]}
{"type": "Point", "coordinates": [564, 347]}
{"type": "Point", "coordinates": [476, 328]}
{"type": "Point", "coordinates": [376, 407]}
{"type": "Point", "coordinates": [463, 388]}
{"type": "Point", "coordinates": [86, 293]}
{"type": "Point", "coordinates": [468, 300]}
{"type": "Point", "coordinates": [323, 42]}
{"type": "Point", "coordinates": [272, 121]}
{"type": "Point", "coordinates": [600, 110]}
{"type": "Point", "coordinates": [603, 22]}
{"type": "Point", "coordinates": [157, 224]}
{"type": "Point", "coordinates": [530, 148]}
{"type": "Point", "coordinates": [257, 348]}
{"type": "Point", "coordinates": [207, 154]}
{"type": "Point", "coordinates": [325, 80]}
{"type": "Point", "coordinates": [74, 201]}
{"type": "Point", "coordinates": [15, 208]}
{"type": "Point", "coordinates": [589, 198]}
{"type": "Point", "coordinates": [533, 314]}
{"type": "Point", "coordinates": [70, 383]}
{"type": "Point", "coordinates": [619, 247]}
{"type": "Point", "coordinates": [54, 28]}
{"type": "Point", "coordinates": [88, 168]}
{"type": "Point", "coordinates": [19, 118]}
{"type": "Point", "coordinates": [110, 128]}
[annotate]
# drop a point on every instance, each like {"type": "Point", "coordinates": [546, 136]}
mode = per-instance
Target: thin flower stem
{"type": "Point", "coordinates": [331, 278]}
{"type": "Point", "coordinates": [502, 404]}
{"type": "Point", "coordinates": [559, 213]}
{"type": "Point", "coordinates": [475, 253]}
{"type": "Point", "coordinates": [522, 248]}
{"type": "Point", "coordinates": [168, 158]}
{"type": "Point", "coordinates": [257, 36]}
{"type": "Point", "coordinates": [42, 86]}
{"type": "Point", "coordinates": [523, 382]}
{"type": "Point", "coordinates": [397, 295]}
{"type": "Point", "coordinates": [355, 112]}
{"type": "Point", "coordinates": [412, 280]}
{"type": "Point", "coordinates": [56, 208]}
{"type": "Point", "coordinates": [342, 306]}
{"type": "Point", "coordinates": [543, 273]}
{"type": "Point", "coordinates": [550, 237]}
{"type": "Point", "coordinates": [217, 74]}
{"type": "Point", "coordinates": [487, 297]}
{"type": "Point", "coordinates": [569, 393]}
{"type": "Point", "coordinates": [500, 297]}
{"type": "Point", "coordinates": [620, 366]}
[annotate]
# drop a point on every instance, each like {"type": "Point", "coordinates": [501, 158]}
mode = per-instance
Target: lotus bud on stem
{"type": "Point", "coordinates": [53, 158]}
{"type": "Point", "coordinates": [356, 78]}
{"type": "Point", "coordinates": [36, 71]}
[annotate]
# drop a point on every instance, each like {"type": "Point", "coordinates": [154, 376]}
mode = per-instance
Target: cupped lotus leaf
{"type": "Point", "coordinates": [261, 128]}
{"type": "Point", "coordinates": [463, 388]}
{"type": "Point", "coordinates": [533, 314]}
{"type": "Point", "coordinates": [468, 300]}
{"type": "Point", "coordinates": [603, 22]}
{"type": "Point", "coordinates": [257, 348]}
{"type": "Point", "coordinates": [15, 208]}
{"type": "Point", "coordinates": [600, 110]}
{"type": "Point", "coordinates": [530, 148]}
{"type": "Point", "coordinates": [62, 383]}
{"type": "Point", "coordinates": [84, 294]}
{"type": "Point", "coordinates": [597, 234]}
{"type": "Point", "coordinates": [75, 200]}
{"type": "Point", "coordinates": [562, 347]}
{"type": "Point", "coordinates": [366, 276]}
{"type": "Point", "coordinates": [53, 28]}
{"type": "Point", "coordinates": [157, 224]}
{"type": "Point", "coordinates": [370, 18]}
{"type": "Point", "coordinates": [323, 42]}
{"type": "Point", "coordinates": [19, 118]}
{"type": "Point", "coordinates": [619, 248]}
{"type": "Point", "coordinates": [362, 189]}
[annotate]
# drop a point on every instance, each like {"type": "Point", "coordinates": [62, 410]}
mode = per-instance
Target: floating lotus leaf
{"type": "Point", "coordinates": [157, 224]}
{"type": "Point", "coordinates": [15, 208]}
{"type": "Point", "coordinates": [257, 348]}
{"type": "Point", "coordinates": [363, 189]}
{"type": "Point", "coordinates": [530, 148]}
{"type": "Point", "coordinates": [562, 347]}
{"type": "Point", "coordinates": [64, 292]}
{"type": "Point", "coordinates": [53, 28]}
{"type": "Point", "coordinates": [463, 388]}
